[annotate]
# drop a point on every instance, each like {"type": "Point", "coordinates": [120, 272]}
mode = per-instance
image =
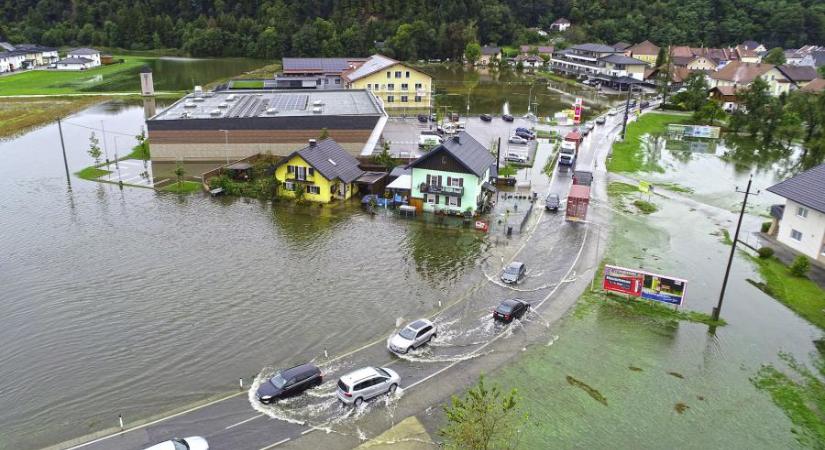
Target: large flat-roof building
{"type": "Point", "coordinates": [225, 126]}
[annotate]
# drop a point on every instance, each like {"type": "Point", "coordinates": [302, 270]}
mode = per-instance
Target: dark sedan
{"type": "Point", "coordinates": [507, 118]}
{"type": "Point", "coordinates": [289, 382]}
{"type": "Point", "coordinates": [508, 310]}
{"type": "Point", "coordinates": [486, 117]}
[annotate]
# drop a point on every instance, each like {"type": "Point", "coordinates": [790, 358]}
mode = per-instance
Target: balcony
{"type": "Point", "coordinates": [457, 191]}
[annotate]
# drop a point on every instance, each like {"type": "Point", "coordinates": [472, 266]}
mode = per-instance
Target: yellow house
{"type": "Point", "coordinates": [396, 84]}
{"type": "Point", "coordinates": [323, 171]}
{"type": "Point", "coordinates": [646, 51]}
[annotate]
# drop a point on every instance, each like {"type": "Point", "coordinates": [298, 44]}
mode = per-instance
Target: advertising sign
{"type": "Point", "coordinates": [577, 111]}
{"type": "Point", "coordinates": [644, 186]}
{"type": "Point", "coordinates": [650, 286]}
{"type": "Point", "coordinates": [481, 225]}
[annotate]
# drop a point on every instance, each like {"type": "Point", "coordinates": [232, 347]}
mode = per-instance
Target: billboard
{"type": "Point", "coordinates": [693, 131]}
{"type": "Point", "coordinates": [577, 110]}
{"type": "Point", "coordinates": [650, 286]}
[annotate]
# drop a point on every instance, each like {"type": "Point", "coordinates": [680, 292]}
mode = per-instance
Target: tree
{"type": "Point", "coordinates": [483, 419]}
{"type": "Point", "coordinates": [94, 148]}
{"type": "Point", "coordinates": [507, 171]}
{"type": "Point", "coordinates": [143, 145]}
{"type": "Point", "coordinates": [179, 173]}
{"type": "Point", "coordinates": [775, 56]}
{"type": "Point", "coordinates": [755, 100]}
{"type": "Point", "coordinates": [709, 113]}
{"type": "Point", "coordinates": [661, 58]}
{"type": "Point", "coordinates": [385, 158]}
{"type": "Point", "coordinates": [800, 266]}
{"type": "Point", "coordinates": [695, 94]}
{"type": "Point", "coordinates": [324, 134]}
{"type": "Point", "coordinates": [472, 52]}
{"type": "Point", "coordinates": [821, 71]}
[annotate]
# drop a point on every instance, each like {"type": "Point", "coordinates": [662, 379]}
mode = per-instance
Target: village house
{"type": "Point", "coordinates": [538, 50]}
{"type": "Point", "coordinates": [800, 222]}
{"type": "Point", "coordinates": [317, 73]}
{"type": "Point", "coordinates": [645, 51]}
{"type": "Point", "coordinates": [489, 54]}
{"type": "Point", "coordinates": [86, 53]}
{"type": "Point", "coordinates": [700, 58]}
{"type": "Point", "coordinates": [601, 62]}
{"type": "Point", "coordinates": [561, 24]}
{"type": "Point", "coordinates": [74, 63]}
{"type": "Point", "coordinates": [816, 86]}
{"type": "Point", "coordinates": [800, 76]}
{"type": "Point", "coordinates": [12, 60]}
{"type": "Point", "coordinates": [320, 172]}
{"type": "Point", "coordinates": [797, 58]}
{"type": "Point", "coordinates": [754, 46]}
{"type": "Point", "coordinates": [623, 47]}
{"type": "Point", "coordinates": [739, 74]}
{"type": "Point", "coordinates": [453, 177]}
{"type": "Point", "coordinates": [726, 96]}
{"type": "Point", "coordinates": [395, 83]}
{"type": "Point", "coordinates": [747, 55]}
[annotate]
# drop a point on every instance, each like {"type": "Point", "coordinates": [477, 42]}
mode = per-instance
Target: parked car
{"type": "Point", "coordinates": [486, 118]}
{"type": "Point", "coordinates": [514, 272]}
{"type": "Point", "coordinates": [516, 157]}
{"type": "Point", "coordinates": [611, 113]}
{"type": "Point", "coordinates": [190, 443]}
{"type": "Point", "coordinates": [412, 336]}
{"type": "Point", "coordinates": [289, 382]}
{"type": "Point", "coordinates": [507, 118]}
{"type": "Point", "coordinates": [552, 202]}
{"type": "Point", "coordinates": [524, 135]}
{"type": "Point", "coordinates": [517, 140]}
{"type": "Point", "coordinates": [364, 384]}
{"type": "Point", "coordinates": [511, 309]}
{"type": "Point", "coordinates": [600, 120]}
{"type": "Point", "coordinates": [645, 104]}
{"type": "Point", "coordinates": [422, 118]}
{"type": "Point", "coordinates": [526, 131]}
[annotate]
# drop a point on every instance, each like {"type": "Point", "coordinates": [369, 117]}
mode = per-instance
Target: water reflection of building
{"type": "Point", "coordinates": [149, 107]}
{"type": "Point", "coordinates": [690, 145]}
{"type": "Point", "coordinates": [216, 127]}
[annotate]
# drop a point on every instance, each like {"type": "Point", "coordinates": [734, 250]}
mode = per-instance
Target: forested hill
{"type": "Point", "coordinates": [412, 29]}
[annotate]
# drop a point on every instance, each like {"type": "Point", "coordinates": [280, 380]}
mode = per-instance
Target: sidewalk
{"type": "Point", "coordinates": [787, 255]}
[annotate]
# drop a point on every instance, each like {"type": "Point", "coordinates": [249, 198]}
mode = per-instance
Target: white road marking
{"type": "Point", "coordinates": [307, 431]}
{"type": "Point", "coordinates": [277, 443]}
{"type": "Point", "coordinates": [244, 421]}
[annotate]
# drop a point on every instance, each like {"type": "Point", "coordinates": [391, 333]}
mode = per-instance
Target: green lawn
{"type": "Point", "coordinates": [628, 155]}
{"type": "Point", "coordinates": [139, 152]}
{"type": "Point", "coordinates": [91, 173]}
{"type": "Point", "coordinates": [800, 294]}
{"type": "Point", "coordinates": [186, 187]}
{"type": "Point", "coordinates": [247, 84]}
{"type": "Point", "coordinates": [64, 81]}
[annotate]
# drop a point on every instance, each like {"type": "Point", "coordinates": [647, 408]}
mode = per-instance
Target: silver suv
{"type": "Point", "coordinates": [412, 336]}
{"type": "Point", "coordinates": [364, 384]}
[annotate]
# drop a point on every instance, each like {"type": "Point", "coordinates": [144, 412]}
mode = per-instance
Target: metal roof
{"type": "Point", "coordinates": [370, 66]}
{"type": "Point", "coordinates": [330, 159]}
{"type": "Point", "coordinates": [596, 48]}
{"type": "Point", "coordinates": [807, 188]}
{"type": "Point", "coordinates": [466, 150]}
{"type": "Point", "coordinates": [74, 61]}
{"type": "Point", "coordinates": [84, 51]}
{"type": "Point", "coordinates": [268, 103]}
{"type": "Point", "coordinates": [622, 59]}
{"type": "Point", "coordinates": [318, 65]}
{"type": "Point", "coordinates": [798, 73]}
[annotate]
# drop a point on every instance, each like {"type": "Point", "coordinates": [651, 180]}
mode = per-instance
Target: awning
{"type": "Point", "coordinates": [402, 182]}
{"type": "Point", "coordinates": [487, 186]}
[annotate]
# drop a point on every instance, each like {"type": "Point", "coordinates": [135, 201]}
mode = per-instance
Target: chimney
{"type": "Point", "coordinates": [313, 142]}
{"type": "Point", "coordinates": [457, 139]}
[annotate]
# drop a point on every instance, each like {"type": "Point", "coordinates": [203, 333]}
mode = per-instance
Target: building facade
{"type": "Point", "coordinates": [738, 74]}
{"type": "Point", "coordinates": [801, 226]}
{"type": "Point", "coordinates": [396, 84]}
{"type": "Point", "coordinates": [321, 172]}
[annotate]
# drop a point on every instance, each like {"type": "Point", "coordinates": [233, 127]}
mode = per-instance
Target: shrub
{"type": "Point", "coordinates": [765, 252]}
{"type": "Point", "coordinates": [766, 226]}
{"type": "Point", "coordinates": [800, 266]}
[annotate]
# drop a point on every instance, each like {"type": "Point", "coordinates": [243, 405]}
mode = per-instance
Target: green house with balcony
{"type": "Point", "coordinates": [452, 178]}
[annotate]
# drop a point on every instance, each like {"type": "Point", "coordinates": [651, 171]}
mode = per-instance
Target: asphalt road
{"type": "Point", "coordinates": [550, 247]}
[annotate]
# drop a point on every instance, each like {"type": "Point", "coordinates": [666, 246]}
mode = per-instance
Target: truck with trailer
{"type": "Point", "coordinates": [569, 150]}
{"type": "Point", "coordinates": [577, 202]}
{"type": "Point", "coordinates": [583, 177]}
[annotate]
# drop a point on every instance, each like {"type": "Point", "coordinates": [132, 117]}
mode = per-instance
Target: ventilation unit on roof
{"type": "Point", "coordinates": [223, 106]}
{"type": "Point", "coordinates": [184, 115]}
{"type": "Point", "coordinates": [230, 98]}
{"type": "Point", "coordinates": [197, 99]}
{"type": "Point", "coordinates": [272, 111]}
{"type": "Point", "coordinates": [215, 112]}
{"type": "Point", "coordinates": [209, 94]}
{"type": "Point", "coordinates": [189, 105]}
{"type": "Point", "coordinates": [198, 89]}
{"type": "Point", "coordinates": [317, 110]}
{"type": "Point", "coordinates": [318, 103]}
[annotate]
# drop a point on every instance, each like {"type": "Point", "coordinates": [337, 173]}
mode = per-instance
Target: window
{"type": "Point", "coordinates": [290, 169]}
{"type": "Point", "coordinates": [313, 189]}
{"type": "Point", "coordinates": [311, 171]}
{"type": "Point", "coordinates": [452, 201]}
{"type": "Point", "coordinates": [418, 85]}
{"type": "Point", "coordinates": [405, 87]}
{"type": "Point", "coordinates": [289, 186]}
{"type": "Point", "coordinates": [388, 74]}
{"type": "Point", "coordinates": [823, 249]}
{"type": "Point", "coordinates": [398, 74]}
{"type": "Point", "coordinates": [369, 86]}
{"type": "Point", "coordinates": [796, 235]}
{"type": "Point", "coordinates": [337, 81]}
{"type": "Point", "coordinates": [430, 198]}
{"type": "Point", "coordinates": [390, 99]}
{"type": "Point", "coordinates": [802, 212]}
{"type": "Point", "coordinates": [418, 99]}
{"type": "Point", "coordinates": [403, 99]}
{"type": "Point", "coordinates": [391, 87]}
{"type": "Point", "coordinates": [455, 181]}
{"type": "Point", "coordinates": [408, 74]}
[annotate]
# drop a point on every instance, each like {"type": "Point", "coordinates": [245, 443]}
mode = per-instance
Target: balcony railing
{"type": "Point", "coordinates": [425, 188]}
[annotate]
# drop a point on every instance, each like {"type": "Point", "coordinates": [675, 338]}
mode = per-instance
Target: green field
{"type": "Point", "coordinates": [185, 187]}
{"type": "Point", "coordinates": [39, 82]}
{"type": "Point", "coordinates": [800, 294]}
{"type": "Point", "coordinates": [247, 84]}
{"type": "Point", "coordinates": [628, 155]}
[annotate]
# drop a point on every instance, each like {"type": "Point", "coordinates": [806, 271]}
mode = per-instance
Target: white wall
{"type": "Point", "coordinates": [811, 227]}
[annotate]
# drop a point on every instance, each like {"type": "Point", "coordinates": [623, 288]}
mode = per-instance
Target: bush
{"type": "Point", "coordinates": [766, 226]}
{"type": "Point", "coordinates": [800, 266]}
{"type": "Point", "coordinates": [765, 252]}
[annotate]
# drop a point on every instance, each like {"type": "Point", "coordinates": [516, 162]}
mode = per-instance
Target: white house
{"type": "Point", "coordinates": [560, 24]}
{"type": "Point", "coordinates": [801, 224]}
{"type": "Point", "coordinates": [75, 64]}
{"type": "Point", "coordinates": [87, 53]}
{"type": "Point", "coordinates": [12, 60]}
{"type": "Point", "coordinates": [738, 74]}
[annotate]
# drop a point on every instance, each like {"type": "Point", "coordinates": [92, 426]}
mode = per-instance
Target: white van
{"type": "Point", "coordinates": [429, 140]}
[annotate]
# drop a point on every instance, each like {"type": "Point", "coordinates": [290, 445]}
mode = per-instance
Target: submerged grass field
{"type": "Point", "coordinates": [18, 115]}
{"type": "Point", "coordinates": [628, 155]}
{"type": "Point", "coordinates": [185, 187]}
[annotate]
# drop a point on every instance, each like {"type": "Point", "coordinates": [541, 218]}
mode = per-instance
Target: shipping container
{"type": "Point", "coordinates": [577, 201]}
{"type": "Point", "coordinates": [583, 177]}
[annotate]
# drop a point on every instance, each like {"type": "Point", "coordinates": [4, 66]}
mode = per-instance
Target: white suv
{"type": "Point", "coordinates": [412, 336]}
{"type": "Point", "coordinates": [364, 384]}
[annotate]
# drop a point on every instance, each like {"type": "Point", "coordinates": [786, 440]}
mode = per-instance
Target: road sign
{"type": "Point", "coordinates": [644, 186]}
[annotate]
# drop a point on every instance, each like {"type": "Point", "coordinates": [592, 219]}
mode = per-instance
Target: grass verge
{"type": "Point", "coordinates": [645, 206]}
{"type": "Point", "coordinates": [801, 295]}
{"type": "Point", "coordinates": [139, 152]}
{"type": "Point", "coordinates": [247, 84]}
{"type": "Point", "coordinates": [185, 187]}
{"type": "Point", "coordinates": [628, 155]}
{"type": "Point", "coordinates": [619, 305]}
{"type": "Point", "coordinates": [91, 173]}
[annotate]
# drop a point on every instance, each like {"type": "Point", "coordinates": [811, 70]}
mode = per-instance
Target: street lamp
{"type": "Point", "coordinates": [226, 144]}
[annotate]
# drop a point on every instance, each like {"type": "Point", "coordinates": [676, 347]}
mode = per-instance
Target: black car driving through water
{"type": "Point", "coordinates": [511, 309]}
{"type": "Point", "coordinates": [289, 382]}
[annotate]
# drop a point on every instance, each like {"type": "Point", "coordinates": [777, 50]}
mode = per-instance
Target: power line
{"type": "Point", "coordinates": [100, 129]}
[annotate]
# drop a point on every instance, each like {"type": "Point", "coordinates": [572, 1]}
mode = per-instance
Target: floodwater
{"type": "Point", "coordinates": [488, 90]}
{"type": "Point", "coordinates": [177, 74]}
{"type": "Point", "coordinates": [135, 302]}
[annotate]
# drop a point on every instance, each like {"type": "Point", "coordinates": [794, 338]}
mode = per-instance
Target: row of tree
{"type": "Point", "coordinates": [410, 29]}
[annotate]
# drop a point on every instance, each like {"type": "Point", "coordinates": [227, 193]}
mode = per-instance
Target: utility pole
{"type": "Point", "coordinates": [626, 109]}
{"type": "Point", "coordinates": [105, 151]}
{"type": "Point", "coordinates": [747, 192]}
{"type": "Point", "coordinates": [63, 146]}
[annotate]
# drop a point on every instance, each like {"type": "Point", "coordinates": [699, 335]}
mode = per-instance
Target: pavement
{"type": "Point", "coordinates": [561, 258]}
